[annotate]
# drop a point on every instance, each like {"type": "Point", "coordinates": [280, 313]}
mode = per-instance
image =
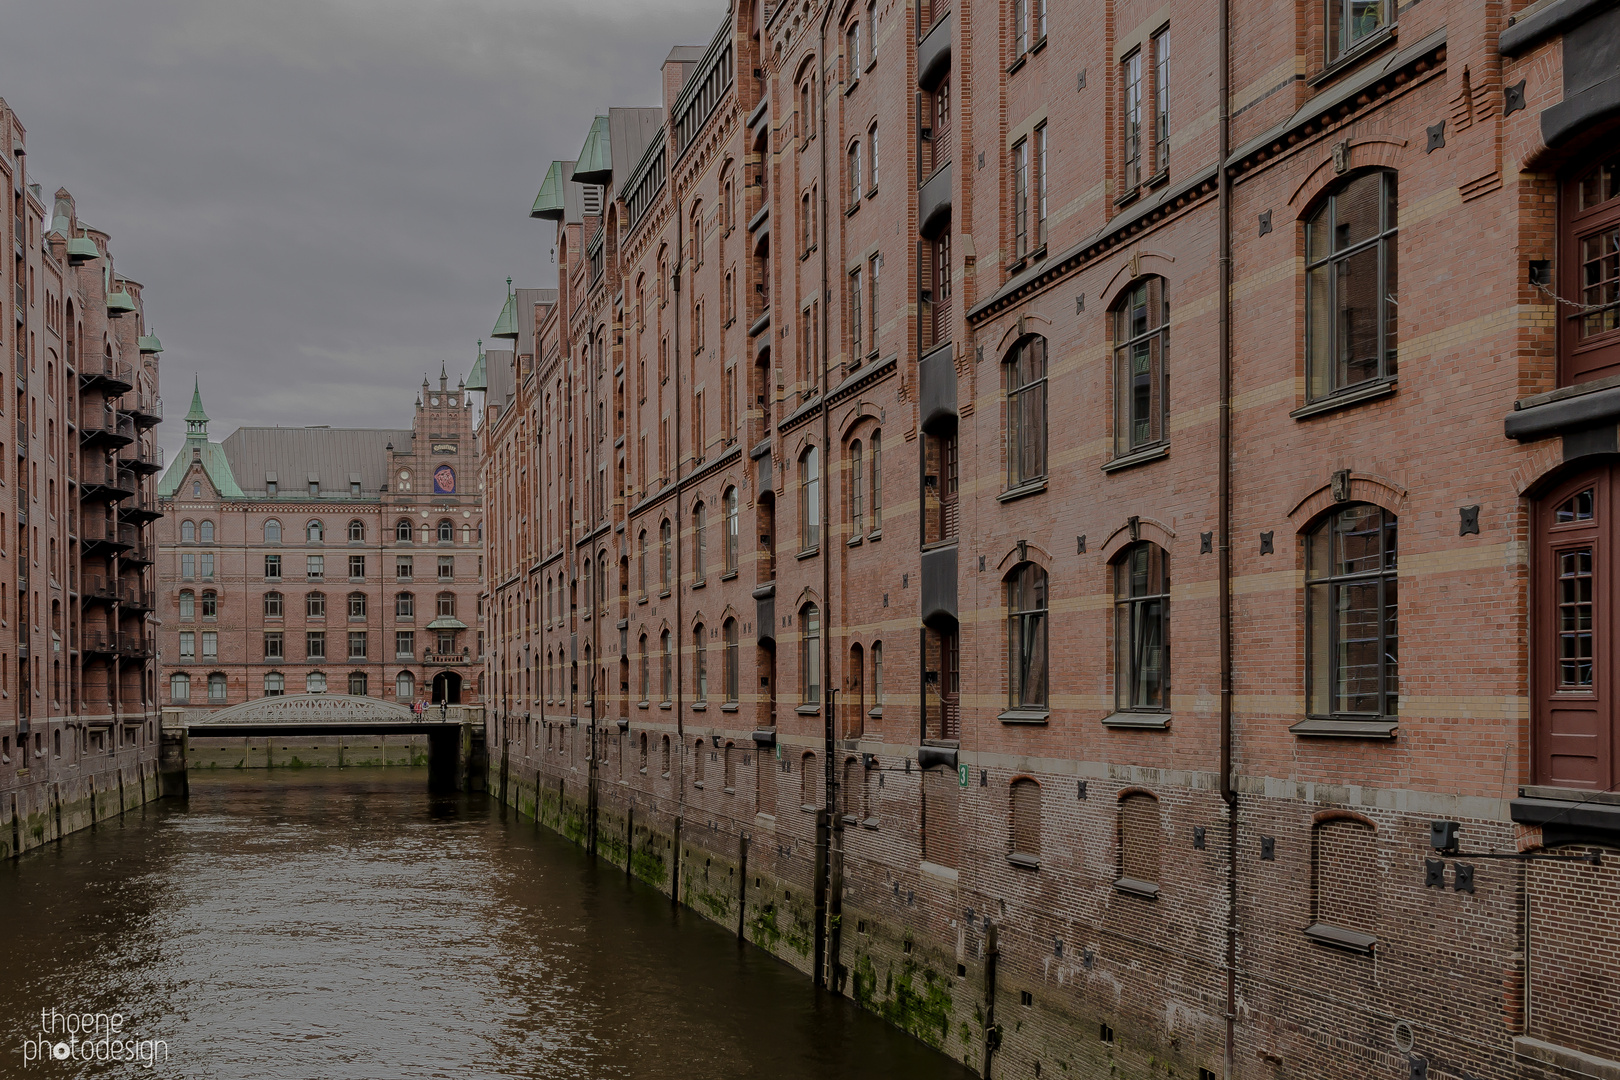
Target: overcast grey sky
{"type": "Point", "coordinates": [322, 198]}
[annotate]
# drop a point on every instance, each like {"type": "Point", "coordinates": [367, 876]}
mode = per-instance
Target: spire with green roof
{"type": "Point", "coordinates": [196, 419]}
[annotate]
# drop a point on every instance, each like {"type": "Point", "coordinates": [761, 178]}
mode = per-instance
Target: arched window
{"type": "Point", "coordinates": [698, 760]}
{"type": "Point", "coordinates": [466, 534]}
{"type": "Point", "coordinates": [807, 783]}
{"type": "Point", "coordinates": [643, 753]}
{"type": "Point", "coordinates": [357, 530]}
{"type": "Point", "coordinates": [272, 605]}
{"type": "Point", "coordinates": [447, 605]}
{"type": "Point", "coordinates": [700, 663]}
{"type": "Point", "coordinates": [272, 531]}
{"type": "Point", "coordinates": [357, 607]}
{"type": "Point", "coordinates": [1141, 344]}
{"type": "Point", "coordinates": [210, 605]}
{"type": "Point", "coordinates": [809, 500]}
{"type": "Point", "coordinates": [646, 677]}
{"type": "Point", "coordinates": [315, 605]}
{"type": "Point", "coordinates": [641, 561]}
{"type": "Point", "coordinates": [315, 682]}
{"type": "Point", "coordinates": [730, 629]}
{"type": "Point", "coordinates": [205, 532]}
{"type": "Point", "coordinates": [666, 685]}
{"type": "Point", "coordinates": [1350, 283]}
{"type": "Point", "coordinates": [1142, 629]}
{"type": "Point", "coordinates": [857, 492]}
{"type": "Point", "coordinates": [663, 759]}
{"type": "Point", "coordinates": [1350, 615]}
{"type": "Point", "coordinates": [852, 171]}
{"type": "Point", "coordinates": [810, 655]}
{"type": "Point", "coordinates": [732, 526]}
{"type": "Point", "coordinates": [1025, 813]}
{"type": "Point", "coordinates": [1026, 411]}
{"type": "Point", "coordinates": [188, 605]}
{"type": "Point", "coordinates": [447, 531]}
{"type": "Point", "coordinates": [404, 686]}
{"type": "Point", "coordinates": [275, 684]}
{"type": "Point", "coordinates": [188, 532]}
{"type": "Point", "coordinates": [1026, 637]}
{"type": "Point", "coordinates": [405, 605]}
{"type": "Point", "coordinates": [1590, 273]}
{"type": "Point", "coordinates": [314, 532]}
{"type": "Point", "coordinates": [216, 688]}
{"type": "Point", "coordinates": [402, 531]}
{"type": "Point", "coordinates": [180, 688]}
{"type": "Point", "coordinates": [590, 594]}
{"type": "Point", "coordinates": [700, 542]}
{"type": "Point", "coordinates": [666, 556]}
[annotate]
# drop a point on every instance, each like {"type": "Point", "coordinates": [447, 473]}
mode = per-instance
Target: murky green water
{"type": "Point", "coordinates": [348, 925]}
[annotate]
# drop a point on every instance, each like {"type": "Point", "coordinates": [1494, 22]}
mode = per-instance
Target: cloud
{"type": "Point", "coordinates": [323, 198]}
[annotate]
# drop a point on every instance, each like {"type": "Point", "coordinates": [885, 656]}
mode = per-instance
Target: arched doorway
{"type": "Point", "coordinates": [447, 688]}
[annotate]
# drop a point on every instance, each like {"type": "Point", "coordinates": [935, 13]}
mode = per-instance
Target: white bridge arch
{"type": "Point", "coordinates": [309, 710]}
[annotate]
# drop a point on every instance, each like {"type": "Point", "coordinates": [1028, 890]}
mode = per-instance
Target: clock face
{"type": "Point", "coordinates": [435, 401]}
{"type": "Point", "coordinates": [404, 474]}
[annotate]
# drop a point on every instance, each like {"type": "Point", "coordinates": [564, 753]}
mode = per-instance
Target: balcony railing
{"type": "Point", "coordinates": [430, 656]}
{"type": "Point", "coordinates": [115, 373]}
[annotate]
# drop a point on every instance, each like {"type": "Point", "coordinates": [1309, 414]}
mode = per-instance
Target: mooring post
{"type": "Point", "coordinates": [173, 781]}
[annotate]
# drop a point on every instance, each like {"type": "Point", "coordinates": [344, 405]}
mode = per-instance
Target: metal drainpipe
{"type": "Point", "coordinates": [824, 825]}
{"type": "Point", "coordinates": [1228, 791]}
{"type": "Point", "coordinates": [678, 761]}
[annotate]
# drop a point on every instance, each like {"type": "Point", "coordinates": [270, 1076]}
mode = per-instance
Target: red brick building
{"type": "Point", "coordinates": [877, 577]}
{"type": "Point", "coordinates": [78, 457]}
{"type": "Point", "coordinates": [324, 560]}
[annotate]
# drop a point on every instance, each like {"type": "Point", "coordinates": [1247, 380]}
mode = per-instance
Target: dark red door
{"type": "Point", "coordinates": [1573, 646]}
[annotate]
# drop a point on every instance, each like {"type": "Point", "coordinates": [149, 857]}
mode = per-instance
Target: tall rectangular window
{"type": "Point", "coordinates": [872, 266]}
{"type": "Point", "coordinates": [1350, 613]}
{"type": "Point", "coordinates": [1026, 412]}
{"type": "Point", "coordinates": [404, 644]}
{"type": "Point", "coordinates": [315, 644]}
{"type": "Point", "coordinates": [357, 645]}
{"type": "Point", "coordinates": [1020, 197]}
{"type": "Point", "coordinates": [1131, 119]}
{"type": "Point", "coordinates": [188, 566]}
{"type": "Point", "coordinates": [1038, 185]}
{"type": "Point", "coordinates": [210, 644]}
{"type": "Point", "coordinates": [871, 159]}
{"type": "Point", "coordinates": [357, 566]}
{"type": "Point", "coordinates": [857, 329]}
{"type": "Point", "coordinates": [273, 647]}
{"type": "Point", "coordinates": [1161, 100]}
{"type": "Point", "coordinates": [188, 645]}
{"type": "Point", "coordinates": [272, 567]}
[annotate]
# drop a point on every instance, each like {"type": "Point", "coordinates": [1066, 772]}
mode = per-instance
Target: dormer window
{"type": "Point", "coordinates": [270, 488]}
{"type": "Point", "coordinates": [314, 489]}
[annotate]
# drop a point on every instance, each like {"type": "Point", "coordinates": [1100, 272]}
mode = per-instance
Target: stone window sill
{"type": "Point", "coordinates": [730, 706]}
{"type": "Point", "coordinates": [1356, 54]}
{"type": "Point", "coordinates": [700, 706]}
{"type": "Point", "coordinates": [1138, 721]}
{"type": "Point", "coordinates": [1371, 392]}
{"type": "Point", "coordinates": [808, 554]}
{"type": "Point", "coordinates": [1032, 487]}
{"type": "Point", "coordinates": [1353, 940]}
{"type": "Point", "coordinates": [666, 704]}
{"type": "Point", "coordinates": [808, 710]}
{"type": "Point", "coordinates": [1346, 729]}
{"type": "Point", "coordinates": [870, 823]}
{"type": "Point", "coordinates": [728, 575]}
{"type": "Point", "coordinates": [1145, 889]}
{"type": "Point", "coordinates": [1024, 862]}
{"type": "Point", "coordinates": [1137, 457]}
{"type": "Point", "coordinates": [698, 584]}
{"type": "Point", "coordinates": [854, 541]}
{"type": "Point", "coordinates": [1573, 1062]}
{"type": "Point", "coordinates": [1025, 716]}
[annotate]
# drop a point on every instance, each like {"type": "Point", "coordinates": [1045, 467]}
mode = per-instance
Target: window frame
{"type": "Point", "coordinates": [1322, 595]}
{"type": "Point", "coordinates": [1017, 425]}
{"type": "Point", "coordinates": [1152, 341]}
{"type": "Point", "coordinates": [1134, 614]}
{"type": "Point", "coordinates": [1027, 627]}
{"type": "Point", "coordinates": [1322, 378]}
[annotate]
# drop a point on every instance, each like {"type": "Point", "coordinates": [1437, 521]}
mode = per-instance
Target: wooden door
{"type": "Point", "coordinates": [1572, 645]}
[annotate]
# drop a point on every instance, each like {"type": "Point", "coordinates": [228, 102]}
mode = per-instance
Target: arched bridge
{"type": "Point", "coordinates": [455, 736]}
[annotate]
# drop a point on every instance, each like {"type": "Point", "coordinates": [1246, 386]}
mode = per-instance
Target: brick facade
{"type": "Point", "coordinates": [78, 713]}
{"type": "Point", "coordinates": [1195, 599]}
{"type": "Point", "coordinates": [305, 560]}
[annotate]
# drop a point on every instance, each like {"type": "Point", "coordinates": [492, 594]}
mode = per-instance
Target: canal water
{"type": "Point", "coordinates": [346, 924]}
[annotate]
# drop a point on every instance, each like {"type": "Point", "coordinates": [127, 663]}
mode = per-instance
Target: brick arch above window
{"type": "Point", "coordinates": [1360, 155]}
{"type": "Point", "coordinates": [1363, 488]}
{"type": "Point", "coordinates": [1030, 552]}
{"type": "Point", "coordinates": [1146, 529]}
{"type": "Point", "coordinates": [1138, 264]}
{"type": "Point", "coordinates": [1030, 323]}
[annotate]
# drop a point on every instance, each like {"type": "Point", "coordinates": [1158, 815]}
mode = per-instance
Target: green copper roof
{"type": "Point", "coordinates": [476, 379]}
{"type": "Point", "coordinates": [506, 326]}
{"type": "Point", "coordinates": [595, 162]}
{"type": "Point", "coordinates": [81, 249]}
{"type": "Point", "coordinates": [119, 302]}
{"type": "Point", "coordinates": [446, 622]}
{"type": "Point", "coordinates": [216, 467]}
{"type": "Point", "coordinates": [549, 203]}
{"type": "Point", "coordinates": [150, 344]}
{"type": "Point", "coordinates": [196, 415]}
{"type": "Point", "coordinates": [199, 451]}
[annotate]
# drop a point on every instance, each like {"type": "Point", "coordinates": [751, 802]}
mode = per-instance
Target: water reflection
{"type": "Point", "coordinates": [325, 924]}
